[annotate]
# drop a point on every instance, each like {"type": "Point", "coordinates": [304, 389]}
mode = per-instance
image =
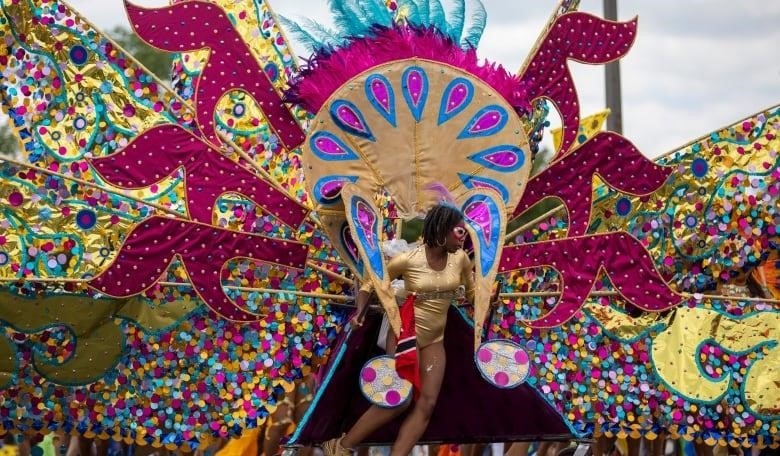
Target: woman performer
{"type": "Point", "coordinates": [432, 273]}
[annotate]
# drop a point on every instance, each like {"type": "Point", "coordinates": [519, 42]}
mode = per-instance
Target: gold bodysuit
{"type": "Point", "coordinates": [435, 289]}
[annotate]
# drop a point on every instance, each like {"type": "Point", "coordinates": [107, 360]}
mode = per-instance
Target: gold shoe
{"type": "Point", "coordinates": [333, 448]}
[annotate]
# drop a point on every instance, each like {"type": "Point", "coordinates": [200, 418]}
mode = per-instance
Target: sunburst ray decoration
{"type": "Point", "coordinates": [170, 257]}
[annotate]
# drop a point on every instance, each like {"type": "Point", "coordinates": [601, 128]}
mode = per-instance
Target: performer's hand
{"type": "Point", "coordinates": [362, 309]}
{"type": "Point", "coordinates": [460, 296]}
{"type": "Point", "coordinates": [357, 319]}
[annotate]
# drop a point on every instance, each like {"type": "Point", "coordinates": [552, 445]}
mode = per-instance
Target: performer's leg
{"type": "Point", "coordinates": [432, 361]}
{"type": "Point", "coordinates": [370, 421]}
{"type": "Point", "coordinates": [518, 449]}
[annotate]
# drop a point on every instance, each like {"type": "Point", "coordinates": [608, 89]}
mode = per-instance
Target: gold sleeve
{"type": "Point", "coordinates": [395, 268]}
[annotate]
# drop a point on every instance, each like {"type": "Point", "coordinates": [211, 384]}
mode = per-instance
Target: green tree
{"type": "Point", "coordinates": [9, 145]}
{"type": "Point", "coordinates": [156, 61]}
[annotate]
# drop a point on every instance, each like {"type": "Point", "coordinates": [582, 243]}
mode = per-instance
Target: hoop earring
{"type": "Point", "coordinates": [441, 243]}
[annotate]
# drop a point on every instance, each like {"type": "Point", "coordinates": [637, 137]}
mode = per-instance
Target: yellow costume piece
{"type": "Point", "coordinates": [435, 289]}
{"type": "Point", "coordinates": [246, 445]}
{"type": "Point", "coordinates": [767, 275]}
{"type": "Point", "coordinates": [588, 128]}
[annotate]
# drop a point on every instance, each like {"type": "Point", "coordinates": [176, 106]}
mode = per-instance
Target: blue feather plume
{"type": "Point", "coordinates": [359, 18]}
{"type": "Point", "coordinates": [414, 13]}
{"type": "Point", "coordinates": [326, 36]}
{"type": "Point", "coordinates": [477, 28]}
{"type": "Point", "coordinates": [423, 12]}
{"type": "Point", "coordinates": [456, 20]}
{"type": "Point", "coordinates": [376, 12]}
{"type": "Point", "coordinates": [306, 39]}
{"type": "Point", "coordinates": [438, 16]}
{"type": "Point", "coordinates": [347, 18]}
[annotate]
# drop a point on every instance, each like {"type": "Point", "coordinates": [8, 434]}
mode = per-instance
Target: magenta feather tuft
{"type": "Point", "coordinates": [328, 70]}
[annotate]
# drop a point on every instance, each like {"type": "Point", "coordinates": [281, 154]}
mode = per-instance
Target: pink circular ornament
{"type": "Point", "coordinates": [503, 363]}
{"type": "Point", "coordinates": [381, 385]}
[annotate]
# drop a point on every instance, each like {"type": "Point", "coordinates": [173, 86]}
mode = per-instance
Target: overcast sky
{"type": "Point", "coordinates": [696, 66]}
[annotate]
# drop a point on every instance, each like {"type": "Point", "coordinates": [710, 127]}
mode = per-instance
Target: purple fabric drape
{"type": "Point", "coordinates": [469, 409]}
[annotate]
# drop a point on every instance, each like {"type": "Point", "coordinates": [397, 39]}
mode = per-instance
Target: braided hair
{"type": "Point", "coordinates": [439, 221]}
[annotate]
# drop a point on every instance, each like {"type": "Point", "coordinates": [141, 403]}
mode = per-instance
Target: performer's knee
{"type": "Point", "coordinates": [425, 404]}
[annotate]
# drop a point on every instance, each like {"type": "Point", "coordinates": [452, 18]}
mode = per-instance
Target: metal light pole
{"type": "Point", "coordinates": [612, 79]}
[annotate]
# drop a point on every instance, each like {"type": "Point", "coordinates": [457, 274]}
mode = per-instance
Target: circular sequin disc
{"type": "Point", "coordinates": [503, 363]}
{"type": "Point", "coordinates": [381, 384]}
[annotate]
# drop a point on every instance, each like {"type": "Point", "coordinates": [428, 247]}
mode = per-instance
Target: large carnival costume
{"type": "Point", "coordinates": [169, 259]}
